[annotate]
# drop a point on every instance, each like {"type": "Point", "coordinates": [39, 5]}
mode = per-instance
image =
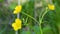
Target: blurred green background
{"type": "Point", "coordinates": [31, 10]}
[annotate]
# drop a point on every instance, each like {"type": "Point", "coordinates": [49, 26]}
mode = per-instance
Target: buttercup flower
{"type": "Point", "coordinates": [51, 6]}
{"type": "Point", "coordinates": [17, 9]}
{"type": "Point", "coordinates": [17, 25]}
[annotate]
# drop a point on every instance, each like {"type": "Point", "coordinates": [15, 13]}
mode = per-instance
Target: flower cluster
{"type": "Point", "coordinates": [18, 23]}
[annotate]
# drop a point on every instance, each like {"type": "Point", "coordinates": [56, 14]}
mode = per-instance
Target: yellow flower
{"type": "Point", "coordinates": [17, 9]}
{"type": "Point", "coordinates": [17, 25]}
{"type": "Point", "coordinates": [51, 6]}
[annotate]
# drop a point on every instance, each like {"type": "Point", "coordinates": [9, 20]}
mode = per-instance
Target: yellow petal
{"type": "Point", "coordinates": [15, 12]}
{"type": "Point", "coordinates": [15, 28]}
{"type": "Point", "coordinates": [13, 24]}
{"type": "Point", "coordinates": [19, 25]}
{"type": "Point", "coordinates": [51, 7]}
{"type": "Point", "coordinates": [18, 20]}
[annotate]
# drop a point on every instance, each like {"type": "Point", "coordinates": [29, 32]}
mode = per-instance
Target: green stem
{"type": "Point", "coordinates": [40, 26]}
{"type": "Point", "coordinates": [40, 20]}
{"type": "Point", "coordinates": [30, 17]}
{"type": "Point", "coordinates": [16, 32]}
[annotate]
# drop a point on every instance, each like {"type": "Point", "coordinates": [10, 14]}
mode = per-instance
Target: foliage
{"type": "Point", "coordinates": [31, 25]}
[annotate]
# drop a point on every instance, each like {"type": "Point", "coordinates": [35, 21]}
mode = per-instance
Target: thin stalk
{"type": "Point", "coordinates": [18, 15]}
{"type": "Point", "coordinates": [16, 32]}
{"type": "Point", "coordinates": [41, 32]}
